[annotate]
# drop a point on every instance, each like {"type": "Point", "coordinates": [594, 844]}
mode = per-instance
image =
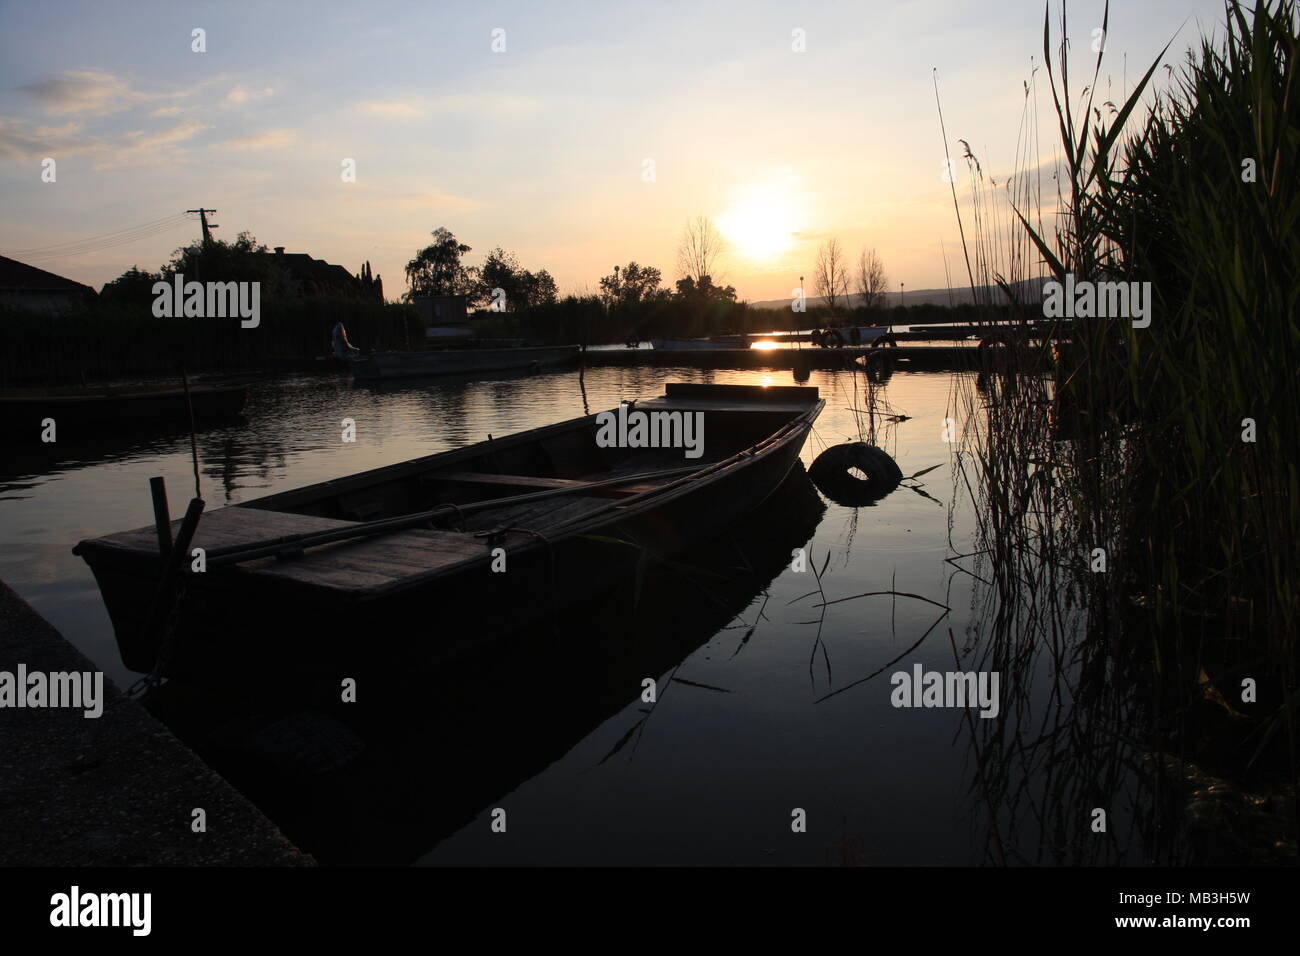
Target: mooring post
{"type": "Point", "coordinates": [162, 519]}
{"type": "Point", "coordinates": [169, 581]}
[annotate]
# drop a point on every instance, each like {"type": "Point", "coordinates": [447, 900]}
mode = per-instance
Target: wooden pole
{"type": "Point", "coordinates": [162, 519]}
{"type": "Point", "coordinates": [161, 608]}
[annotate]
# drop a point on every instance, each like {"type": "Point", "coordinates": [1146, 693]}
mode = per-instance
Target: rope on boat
{"type": "Point", "coordinates": [498, 535]}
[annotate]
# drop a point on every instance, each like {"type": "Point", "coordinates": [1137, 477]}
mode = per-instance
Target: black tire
{"type": "Point", "coordinates": [830, 473]}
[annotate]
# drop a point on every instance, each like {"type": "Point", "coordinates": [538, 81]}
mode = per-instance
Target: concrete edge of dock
{"type": "Point", "coordinates": [116, 790]}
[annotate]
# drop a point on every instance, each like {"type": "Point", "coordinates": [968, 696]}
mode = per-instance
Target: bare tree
{"type": "Point", "coordinates": [699, 250]}
{"type": "Point", "coordinates": [830, 275]}
{"type": "Point", "coordinates": [871, 279]}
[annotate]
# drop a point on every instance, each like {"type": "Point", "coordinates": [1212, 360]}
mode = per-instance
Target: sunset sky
{"type": "Point", "coordinates": [540, 148]}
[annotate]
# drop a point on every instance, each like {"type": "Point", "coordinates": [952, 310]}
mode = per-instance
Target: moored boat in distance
{"type": "Point", "coordinates": [453, 361]}
{"type": "Point", "coordinates": [25, 408]}
{"type": "Point", "coordinates": [836, 337]}
{"type": "Point", "coordinates": [424, 562]}
{"type": "Point", "coordinates": [681, 345]}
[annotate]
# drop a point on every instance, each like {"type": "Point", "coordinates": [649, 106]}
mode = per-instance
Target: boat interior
{"type": "Point", "coordinates": [563, 460]}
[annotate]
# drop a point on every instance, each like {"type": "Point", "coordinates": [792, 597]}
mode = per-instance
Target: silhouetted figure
{"type": "Point", "coordinates": [343, 349]}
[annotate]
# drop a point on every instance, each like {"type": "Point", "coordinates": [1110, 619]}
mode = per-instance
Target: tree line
{"type": "Point", "coordinates": [439, 269]}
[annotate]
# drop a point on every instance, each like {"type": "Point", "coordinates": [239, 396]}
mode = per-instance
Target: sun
{"type": "Point", "coordinates": [761, 221]}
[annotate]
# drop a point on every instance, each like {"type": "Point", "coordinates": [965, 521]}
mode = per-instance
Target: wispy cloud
{"type": "Point", "coordinates": [428, 199]}
{"type": "Point", "coordinates": [91, 91]}
{"type": "Point", "coordinates": [483, 104]}
{"type": "Point", "coordinates": [20, 139]}
{"type": "Point", "coordinates": [139, 147]}
{"type": "Point", "coordinates": [266, 139]}
{"type": "Point", "coordinates": [242, 94]}
{"type": "Point", "coordinates": [395, 109]}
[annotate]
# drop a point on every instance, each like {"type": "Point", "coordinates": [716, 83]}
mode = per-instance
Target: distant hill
{"type": "Point", "coordinates": [1028, 290]}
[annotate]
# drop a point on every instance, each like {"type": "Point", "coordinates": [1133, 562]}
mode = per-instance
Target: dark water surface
{"type": "Point", "coordinates": [743, 732]}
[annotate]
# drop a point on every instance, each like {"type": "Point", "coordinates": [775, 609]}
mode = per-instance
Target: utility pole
{"type": "Point", "coordinates": [207, 229]}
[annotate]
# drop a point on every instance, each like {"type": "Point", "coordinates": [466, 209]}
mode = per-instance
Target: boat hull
{"type": "Point", "coordinates": [397, 365]}
{"type": "Point", "coordinates": [272, 634]}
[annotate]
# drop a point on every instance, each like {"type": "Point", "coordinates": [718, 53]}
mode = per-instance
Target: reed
{"type": "Point", "coordinates": [1138, 445]}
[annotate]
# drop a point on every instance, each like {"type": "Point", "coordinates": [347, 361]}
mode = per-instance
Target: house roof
{"type": "Point", "coordinates": [303, 267]}
{"type": "Point", "coordinates": [18, 276]}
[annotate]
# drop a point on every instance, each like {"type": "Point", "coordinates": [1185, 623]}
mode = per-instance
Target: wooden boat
{"type": "Point", "coordinates": [383, 365]}
{"type": "Point", "coordinates": [682, 345]}
{"type": "Point", "coordinates": [430, 560]}
{"type": "Point", "coordinates": [865, 335]}
{"type": "Point", "coordinates": [25, 408]}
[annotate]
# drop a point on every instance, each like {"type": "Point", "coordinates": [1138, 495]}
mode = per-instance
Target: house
{"type": "Point", "coordinates": [445, 316]}
{"type": "Point", "coordinates": [27, 287]}
{"type": "Point", "coordinates": [318, 277]}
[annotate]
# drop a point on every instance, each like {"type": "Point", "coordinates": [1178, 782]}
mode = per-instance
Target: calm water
{"type": "Point", "coordinates": [742, 736]}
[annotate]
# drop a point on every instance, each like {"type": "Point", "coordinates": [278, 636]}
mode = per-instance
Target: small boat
{"type": "Point", "coordinates": [680, 345]}
{"type": "Point", "coordinates": [25, 409]}
{"type": "Point", "coordinates": [453, 361]}
{"type": "Point", "coordinates": [430, 560]}
{"type": "Point", "coordinates": [851, 335]}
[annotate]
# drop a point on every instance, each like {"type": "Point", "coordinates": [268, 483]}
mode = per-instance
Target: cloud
{"type": "Point", "coordinates": [87, 91]}
{"type": "Point", "coordinates": [21, 140]}
{"type": "Point", "coordinates": [393, 108]}
{"type": "Point", "coordinates": [482, 104]}
{"type": "Point", "coordinates": [241, 95]}
{"type": "Point", "coordinates": [77, 91]}
{"type": "Point", "coordinates": [138, 147]}
{"type": "Point", "coordinates": [429, 198]}
{"type": "Point", "coordinates": [267, 139]}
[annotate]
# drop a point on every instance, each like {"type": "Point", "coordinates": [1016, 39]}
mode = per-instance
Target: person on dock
{"type": "Point", "coordinates": [343, 349]}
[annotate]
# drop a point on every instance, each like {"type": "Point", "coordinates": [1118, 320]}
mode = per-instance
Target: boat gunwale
{"type": "Point", "coordinates": [798, 424]}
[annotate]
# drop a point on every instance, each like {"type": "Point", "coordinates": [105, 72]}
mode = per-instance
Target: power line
{"type": "Point", "coordinates": [104, 241]}
{"type": "Point", "coordinates": [86, 250]}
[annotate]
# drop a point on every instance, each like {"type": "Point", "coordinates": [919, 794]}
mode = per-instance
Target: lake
{"type": "Point", "coordinates": [767, 711]}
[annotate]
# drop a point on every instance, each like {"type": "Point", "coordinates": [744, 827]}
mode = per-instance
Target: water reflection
{"type": "Point", "coordinates": [768, 712]}
{"type": "Point", "coordinates": [387, 788]}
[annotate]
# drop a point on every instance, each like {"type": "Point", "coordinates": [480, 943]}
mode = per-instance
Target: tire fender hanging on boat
{"type": "Point", "coordinates": [831, 473]}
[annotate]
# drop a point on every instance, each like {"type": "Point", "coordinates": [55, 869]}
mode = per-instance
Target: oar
{"type": "Point", "coordinates": [235, 554]}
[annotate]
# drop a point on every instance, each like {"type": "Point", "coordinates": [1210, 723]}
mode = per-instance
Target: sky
{"type": "Point", "coordinates": [576, 135]}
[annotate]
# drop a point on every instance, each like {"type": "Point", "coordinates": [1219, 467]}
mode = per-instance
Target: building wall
{"type": "Point", "coordinates": [51, 302]}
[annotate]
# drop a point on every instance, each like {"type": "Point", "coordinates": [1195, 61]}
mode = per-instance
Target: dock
{"type": "Point", "coordinates": [896, 357]}
{"type": "Point", "coordinates": [115, 790]}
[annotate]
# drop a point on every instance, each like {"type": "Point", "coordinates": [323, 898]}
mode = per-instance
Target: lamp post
{"type": "Point", "coordinates": [803, 301]}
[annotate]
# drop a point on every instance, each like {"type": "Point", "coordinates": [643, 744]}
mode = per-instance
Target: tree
{"type": "Point", "coordinates": [700, 248]}
{"type": "Point", "coordinates": [437, 268]}
{"type": "Point", "coordinates": [134, 287]}
{"type": "Point", "coordinates": [633, 283]}
{"type": "Point", "coordinates": [523, 289]}
{"type": "Point", "coordinates": [372, 286]}
{"type": "Point", "coordinates": [542, 289]}
{"type": "Point", "coordinates": [871, 279]}
{"type": "Point", "coordinates": [501, 270]}
{"type": "Point", "coordinates": [704, 290]}
{"type": "Point", "coordinates": [243, 260]}
{"type": "Point", "coordinates": [830, 276]}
